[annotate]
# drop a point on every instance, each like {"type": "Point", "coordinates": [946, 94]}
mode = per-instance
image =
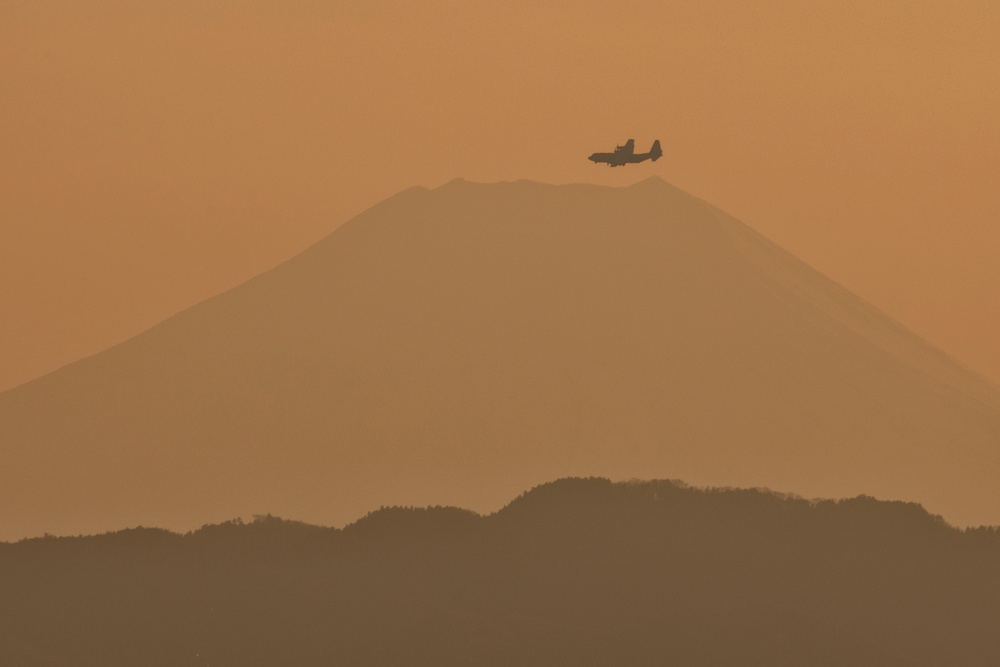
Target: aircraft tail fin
{"type": "Point", "coordinates": [655, 152]}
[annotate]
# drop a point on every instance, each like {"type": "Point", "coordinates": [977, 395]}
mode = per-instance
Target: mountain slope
{"type": "Point", "coordinates": [454, 345]}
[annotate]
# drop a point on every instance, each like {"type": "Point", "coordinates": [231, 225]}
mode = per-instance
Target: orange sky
{"type": "Point", "coordinates": [153, 154]}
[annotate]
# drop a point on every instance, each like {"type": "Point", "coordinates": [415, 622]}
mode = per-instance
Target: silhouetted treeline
{"type": "Point", "coordinates": [576, 572]}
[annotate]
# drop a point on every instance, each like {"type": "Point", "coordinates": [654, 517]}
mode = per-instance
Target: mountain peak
{"type": "Point", "coordinates": [651, 181]}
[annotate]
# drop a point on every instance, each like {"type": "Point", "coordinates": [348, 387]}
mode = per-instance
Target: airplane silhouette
{"type": "Point", "coordinates": [625, 154]}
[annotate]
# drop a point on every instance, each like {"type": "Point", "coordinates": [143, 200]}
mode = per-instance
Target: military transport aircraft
{"type": "Point", "coordinates": [626, 155]}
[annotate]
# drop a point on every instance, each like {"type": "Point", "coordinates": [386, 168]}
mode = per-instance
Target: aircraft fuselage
{"type": "Point", "coordinates": [622, 157]}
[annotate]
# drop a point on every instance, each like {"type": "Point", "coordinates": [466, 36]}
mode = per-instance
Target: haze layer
{"type": "Point", "coordinates": [457, 345]}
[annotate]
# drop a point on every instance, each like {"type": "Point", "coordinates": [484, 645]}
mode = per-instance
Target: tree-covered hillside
{"type": "Point", "coordinates": [575, 572]}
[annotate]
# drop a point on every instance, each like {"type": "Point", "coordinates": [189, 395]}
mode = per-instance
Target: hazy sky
{"type": "Point", "coordinates": [155, 153]}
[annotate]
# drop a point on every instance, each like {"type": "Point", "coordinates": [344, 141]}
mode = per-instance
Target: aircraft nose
{"type": "Point", "coordinates": [593, 157]}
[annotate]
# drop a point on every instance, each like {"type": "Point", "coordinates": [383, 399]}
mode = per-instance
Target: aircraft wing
{"type": "Point", "coordinates": [627, 147]}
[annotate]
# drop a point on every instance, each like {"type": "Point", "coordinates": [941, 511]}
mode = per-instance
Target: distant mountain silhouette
{"type": "Point", "coordinates": [453, 346]}
{"type": "Point", "coordinates": [576, 572]}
